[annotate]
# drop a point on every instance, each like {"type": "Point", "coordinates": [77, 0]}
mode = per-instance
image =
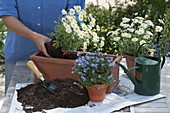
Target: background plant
{"type": "Point", "coordinates": [93, 69]}
{"type": "Point", "coordinates": [105, 19]}
{"type": "Point", "coordinates": [167, 30]}
{"type": "Point", "coordinates": [3, 30]}
{"type": "Point", "coordinates": [153, 9]}
{"type": "Point", "coordinates": [134, 32]}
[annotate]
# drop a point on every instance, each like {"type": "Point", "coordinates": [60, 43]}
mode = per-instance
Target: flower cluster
{"type": "Point", "coordinates": [135, 32]}
{"type": "Point", "coordinates": [93, 69]}
{"type": "Point", "coordinates": [72, 33]}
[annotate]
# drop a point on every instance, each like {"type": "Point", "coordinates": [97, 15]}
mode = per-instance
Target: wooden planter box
{"type": "Point", "coordinates": [57, 68]}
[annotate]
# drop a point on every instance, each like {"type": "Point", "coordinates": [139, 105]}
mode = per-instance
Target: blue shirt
{"type": "Point", "coordinates": [39, 16]}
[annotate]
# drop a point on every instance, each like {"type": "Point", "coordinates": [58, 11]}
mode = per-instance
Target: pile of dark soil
{"type": "Point", "coordinates": [69, 95]}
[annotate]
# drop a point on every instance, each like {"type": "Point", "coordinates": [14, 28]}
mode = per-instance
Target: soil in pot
{"type": "Point", "coordinates": [58, 53]}
{"type": "Point", "coordinates": [69, 95]}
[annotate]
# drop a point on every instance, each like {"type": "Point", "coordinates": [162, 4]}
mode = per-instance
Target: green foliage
{"type": "Point", "coordinates": [2, 38]}
{"type": "Point", "coordinates": [167, 27]}
{"type": "Point", "coordinates": [105, 18]}
{"type": "Point", "coordinates": [77, 31]}
{"type": "Point", "coordinates": [66, 41]}
{"type": "Point", "coordinates": [134, 32]}
{"type": "Point", "coordinates": [153, 9]}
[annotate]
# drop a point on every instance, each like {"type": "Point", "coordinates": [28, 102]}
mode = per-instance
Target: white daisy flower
{"type": "Point", "coordinates": [72, 19]}
{"type": "Point", "coordinates": [66, 26]}
{"type": "Point", "coordinates": [94, 34]}
{"type": "Point", "coordinates": [131, 30]}
{"type": "Point", "coordinates": [125, 20]}
{"type": "Point", "coordinates": [124, 34]}
{"type": "Point", "coordinates": [78, 8]}
{"type": "Point", "coordinates": [93, 19]}
{"type": "Point", "coordinates": [142, 42]}
{"type": "Point", "coordinates": [98, 28]}
{"type": "Point", "coordinates": [73, 24]}
{"type": "Point", "coordinates": [86, 33]}
{"type": "Point", "coordinates": [82, 12]}
{"type": "Point", "coordinates": [76, 29]}
{"type": "Point", "coordinates": [63, 20]}
{"type": "Point", "coordinates": [92, 24]}
{"type": "Point", "coordinates": [140, 18]}
{"type": "Point", "coordinates": [101, 43]}
{"type": "Point", "coordinates": [96, 39]}
{"type": "Point", "coordinates": [81, 17]}
{"type": "Point", "coordinates": [134, 39]}
{"type": "Point", "coordinates": [143, 25]}
{"type": "Point", "coordinates": [149, 33]}
{"type": "Point", "coordinates": [64, 12]}
{"type": "Point", "coordinates": [141, 31]}
{"type": "Point", "coordinates": [84, 27]}
{"type": "Point", "coordinates": [149, 22]}
{"type": "Point", "coordinates": [71, 11]}
{"type": "Point", "coordinates": [95, 44]}
{"type": "Point", "coordinates": [146, 36]}
{"type": "Point", "coordinates": [135, 20]}
{"type": "Point", "coordinates": [128, 35]}
{"type": "Point", "coordinates": [161, 21]}
{"type": "Point", "coordinates": [158, 28]}
{"type": "Point", "coordinates": [68, 30]}
{"type": "Point", "coordinates": [102, 38]}
{"type": "Point", "coordinates": [81, 34]}
{"type": "Point", "coordinates": [116, 39]}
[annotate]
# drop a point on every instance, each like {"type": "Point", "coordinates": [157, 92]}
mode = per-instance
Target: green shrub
{"type": "Point", "coordinates": [106, 19]}
{"type": "Point", "coordinates": [167, 28]}
{"type": "Point", "coordinates": [2, 38]}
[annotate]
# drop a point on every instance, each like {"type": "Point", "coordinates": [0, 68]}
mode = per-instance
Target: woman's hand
{"type": "Point", "coordinates": [40, 40]}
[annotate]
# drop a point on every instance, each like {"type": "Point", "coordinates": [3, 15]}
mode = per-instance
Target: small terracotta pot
{"type": "Point", "coordinates": [97, 92]}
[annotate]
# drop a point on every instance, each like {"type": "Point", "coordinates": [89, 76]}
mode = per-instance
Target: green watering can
{"type": "Point", "coordinates": [147, 74]}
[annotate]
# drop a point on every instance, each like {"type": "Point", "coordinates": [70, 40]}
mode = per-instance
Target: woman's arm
{"type": "Point", "coordinates": [16, 26]}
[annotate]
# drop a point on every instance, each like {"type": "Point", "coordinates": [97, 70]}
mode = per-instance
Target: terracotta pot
{"type": "Point", "coordinates": [53, 68]}
{"type": "Point", "coordinates": [130, 61]}
{"type": "Point", "coordinates": [115, 75]}
{"type": "Point", "coordinates": [58, 68]}
{"type": "Point", "coordinates": [97, 92]}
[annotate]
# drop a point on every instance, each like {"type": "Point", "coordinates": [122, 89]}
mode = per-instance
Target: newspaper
{"type": "Point", "coordinates": [125, 97]}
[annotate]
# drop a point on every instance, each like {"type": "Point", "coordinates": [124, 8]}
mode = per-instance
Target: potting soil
{"type": "Point", "coordinates": [36, 98]}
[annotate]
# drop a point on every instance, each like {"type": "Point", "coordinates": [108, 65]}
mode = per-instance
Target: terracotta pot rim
{"type": "Point", "coordinates": [38, 56]}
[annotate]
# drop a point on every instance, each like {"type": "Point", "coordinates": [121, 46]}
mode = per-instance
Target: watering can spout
{"type": "Point", "coordinates": [128, 74]}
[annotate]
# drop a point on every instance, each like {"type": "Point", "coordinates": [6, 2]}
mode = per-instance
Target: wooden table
{"type": "Point", "coordinates": [23, 75]}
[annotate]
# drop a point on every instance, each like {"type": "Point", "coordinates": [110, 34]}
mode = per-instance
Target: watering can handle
{"type": "Point", "coordinates": [139, 48]}
{"type": "Point", "coordinates": [163, 57]}
{"type": "Point", "coordinates": [163, 61]}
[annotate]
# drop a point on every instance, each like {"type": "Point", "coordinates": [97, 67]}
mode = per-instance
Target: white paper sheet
{"type": "Point", "coordinates": [112, 102]}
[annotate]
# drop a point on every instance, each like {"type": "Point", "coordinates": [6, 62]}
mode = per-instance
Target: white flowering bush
{"type": "Point", "coordinates": [72, 33]}
{"type": "Point", "coordinates": [135, 32]}
{"type": "Point", "coordinates": [93, 69]}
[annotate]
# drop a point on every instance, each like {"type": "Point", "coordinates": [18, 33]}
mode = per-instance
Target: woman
{"type": "Point", "coordinates": [29, 23]}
